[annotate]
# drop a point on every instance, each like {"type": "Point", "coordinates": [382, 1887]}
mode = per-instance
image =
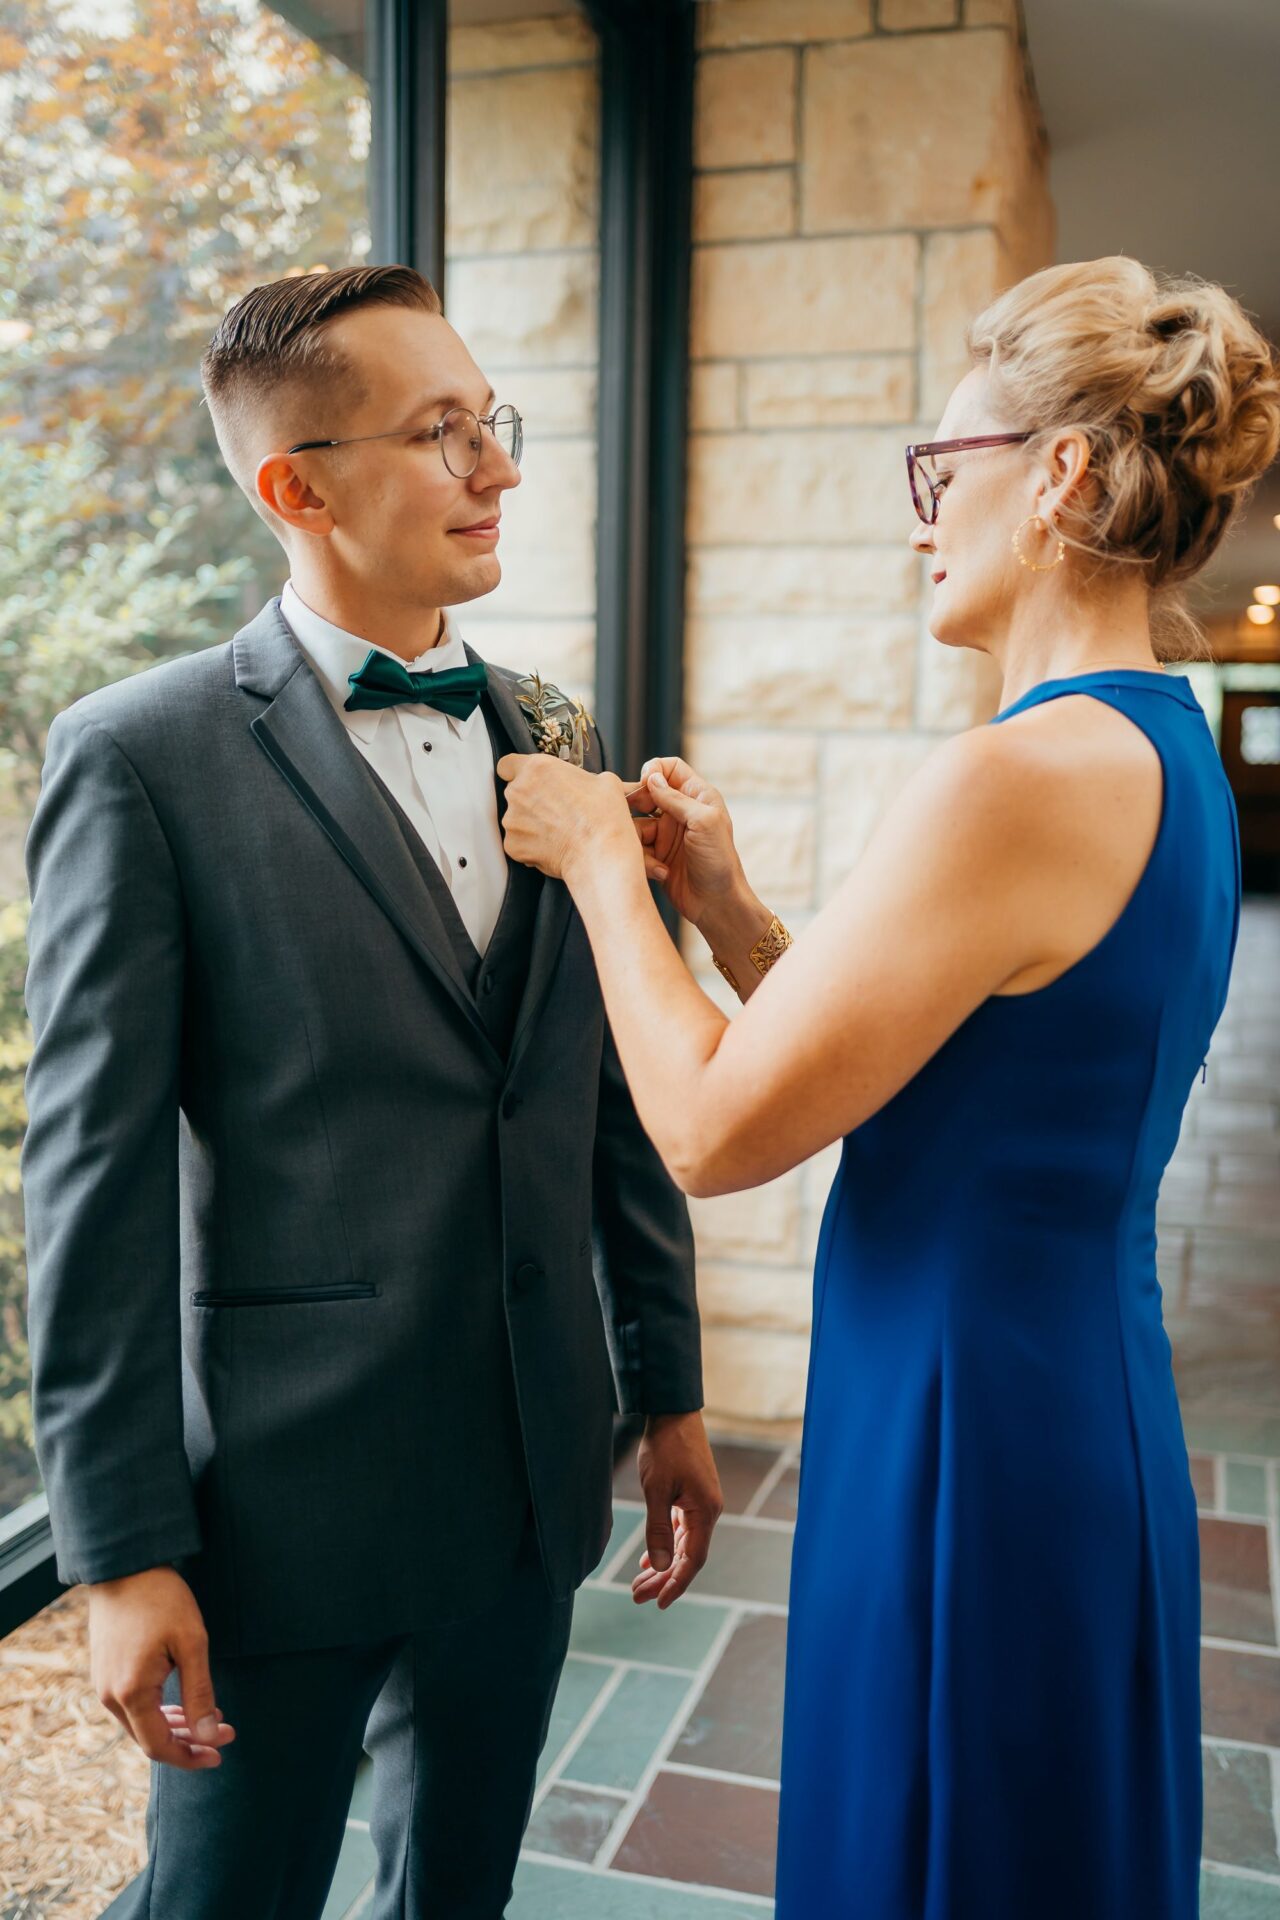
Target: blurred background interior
{"type": "Point", "coordinates": [721, 253]}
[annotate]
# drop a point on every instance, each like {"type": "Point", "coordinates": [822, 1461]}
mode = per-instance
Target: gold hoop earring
{"type": "Point", "coordinates": [1037, 520]}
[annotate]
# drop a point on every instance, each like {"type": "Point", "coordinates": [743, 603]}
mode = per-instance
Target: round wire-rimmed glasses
{"type": "Point", "coordinates": [918, 474]}
{"type": "Point", "coordinates": [458, 432]}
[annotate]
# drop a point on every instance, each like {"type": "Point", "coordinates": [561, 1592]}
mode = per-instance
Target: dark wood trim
{"type": "Point", "coordinates": [408, 78]}
{"type": "Point", "coordinates": [647, 62]}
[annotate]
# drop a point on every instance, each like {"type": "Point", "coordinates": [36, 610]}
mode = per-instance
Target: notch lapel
{"type": "Point", "coordinates": [308, 745]}
{"type": "Point", "coordinates": [551, 921]}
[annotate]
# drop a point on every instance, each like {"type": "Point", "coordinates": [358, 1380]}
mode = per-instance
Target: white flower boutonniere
{"type": "Point", "coordinates": [559, 724]}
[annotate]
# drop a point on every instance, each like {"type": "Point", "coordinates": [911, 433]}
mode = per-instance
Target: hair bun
{"type": "Point", "coordinates": [1175, 387]}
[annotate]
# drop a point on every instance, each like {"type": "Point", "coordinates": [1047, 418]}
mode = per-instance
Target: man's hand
{"type": "Point", "coordinates": [140, 1628]}
{"type": "Point", "coordinates": [682, 1493]}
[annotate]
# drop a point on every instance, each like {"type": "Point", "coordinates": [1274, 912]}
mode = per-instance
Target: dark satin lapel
{"type": "Point", "coordinates": [551, 922]}
{"type": "Point", "coordinates": [306, 741]}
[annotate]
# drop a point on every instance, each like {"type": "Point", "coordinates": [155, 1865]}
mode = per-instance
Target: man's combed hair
{"type": "Point", "coordinates": [271, 351]}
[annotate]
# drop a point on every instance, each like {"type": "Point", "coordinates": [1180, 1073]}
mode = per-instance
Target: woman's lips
{"type": "Point", "coordinates": [938, 578]}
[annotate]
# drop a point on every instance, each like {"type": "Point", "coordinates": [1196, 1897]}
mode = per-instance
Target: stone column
{"type": "Point", "coordinates": [867, 177]}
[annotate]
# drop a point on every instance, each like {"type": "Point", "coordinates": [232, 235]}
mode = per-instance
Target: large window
{"type": "Point", "coordinates": [157, 158]}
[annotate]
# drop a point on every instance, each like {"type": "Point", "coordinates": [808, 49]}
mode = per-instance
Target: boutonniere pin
{"type": "Point", "coordinates": [558, 724]}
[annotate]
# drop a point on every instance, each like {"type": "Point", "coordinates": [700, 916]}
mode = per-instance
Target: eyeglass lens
{"type": "Point", "coordinates": [461, 438]}
{"type": "Point", "coordinates": [923, 476]}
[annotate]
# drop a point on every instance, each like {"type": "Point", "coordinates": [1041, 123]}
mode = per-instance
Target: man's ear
{"type": "Point", "coordinates": [283, 488]}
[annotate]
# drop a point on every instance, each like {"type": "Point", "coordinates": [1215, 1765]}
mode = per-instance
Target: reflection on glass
{"type": "Point", "coordinates": [521, 287]}
{"type": "Point", "coordinates": [156, 160]}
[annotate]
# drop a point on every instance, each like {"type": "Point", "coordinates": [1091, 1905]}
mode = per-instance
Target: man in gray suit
{"type": "Point", "coordinates": [331, 1169]}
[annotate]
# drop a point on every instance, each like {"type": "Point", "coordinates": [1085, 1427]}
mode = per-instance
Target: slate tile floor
{"type": "Point", "coordinates": [657, 1797]}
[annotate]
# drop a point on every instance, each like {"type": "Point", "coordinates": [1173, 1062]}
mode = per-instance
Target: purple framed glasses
{"type": "Point", "coordinates": [925, 484]}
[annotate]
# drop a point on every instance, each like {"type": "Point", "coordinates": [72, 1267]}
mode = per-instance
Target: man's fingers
{"type": "Point", "coordinates": [152, 1732]}
{"type": "Point", "coordinates": [198, 1705]}
{"type": "Point", "coordinates": [659, 1534]}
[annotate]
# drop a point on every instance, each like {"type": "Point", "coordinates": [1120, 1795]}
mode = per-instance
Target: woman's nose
{"type": "Point", "coordinates": [921, 537]}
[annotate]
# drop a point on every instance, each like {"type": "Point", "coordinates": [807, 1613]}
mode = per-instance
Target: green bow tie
{"type": "Point", "coordinates": [383, 682]}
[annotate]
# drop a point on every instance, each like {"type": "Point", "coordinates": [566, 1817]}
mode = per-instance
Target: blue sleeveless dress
{"type": "Point", "coordinates": [992, 1707]}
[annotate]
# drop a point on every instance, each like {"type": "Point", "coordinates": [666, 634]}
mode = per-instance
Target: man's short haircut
{"type": "Point", "coordinates": [270, 355]}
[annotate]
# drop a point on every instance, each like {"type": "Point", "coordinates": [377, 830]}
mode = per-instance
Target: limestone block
{"type": "Point", "coordinates": [713, 395]}
{"type": "Point", "coordinates": [775, 1299]}
{"type": "Point", "coordinates": [536, 310]}
{"type": "Point", "coordinates": [906, 132]}
{"type": "Point", "coordinates": [898, 16]}
{"type": "Point", "coordinates": [754, 203]}
{"type": "Point", "coordinates": [803, 579]}
{"type": "Point", "coordinates": [829, 672]}
{"type": "Point", "coordinates": [750, 764]}
{"type": "Point", "coordinates": [751, 23]}
{"type": "Point", "coordinates": [558, 40]}
{"type": "Point", "coordinates": [992, 13]}
{"type": "Point", "coordinates": [562, 651]}
{"type": "Point", "coordinates": [837, 485]}
{"type": "Point", "coordinates": [523, 164]}
{"type": "Point", "coordinates": [860, 778]}
{"type": "Point", "coordinates": [744, 111]}
{"type": "Point", "coordinates": [754, 1375]}
{"type": "Point", "coordinates": [547, 548]}
{"type": "Point", "coordinates": [555, 402]}
{"type": "Point", "coordinates": [828, 391]}
{"type": "Point", "coordinates": [776, 839]}
{"type": "Point", "coordinates": [958, 687]}
{"type": "Point", "coordinates": [847, 295]}
{"type": "Point", "coordinates": [961, 275]}
{"type": "Point", "coordinates": [761, 1225]}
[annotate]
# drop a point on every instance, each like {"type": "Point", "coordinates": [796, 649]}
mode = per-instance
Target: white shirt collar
{"type": "Point", "coordinates": [335, 654]}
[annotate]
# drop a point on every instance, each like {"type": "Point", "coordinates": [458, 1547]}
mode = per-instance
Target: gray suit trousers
{"type": "Point", "coordinates": [453, 1717]}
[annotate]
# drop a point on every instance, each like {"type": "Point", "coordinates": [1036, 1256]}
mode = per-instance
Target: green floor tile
{"type": "Point", "coordinates": [1222, 1897]}
{"type": "Point", "coordinates": [356, 1866]}
{"type": "Point", "coordinates": [609, 1622]}
{"type": "Point", "coordinates": [558, 1893]}
{"type": "Point", "coordinates": [572, 1823]}
{"type": "Point", "coordinates": [580, 1682]}
{"type": "Point", "coordinates": [1246, 1488]}
{"type": "Point", "coordinates": [622, 1741]}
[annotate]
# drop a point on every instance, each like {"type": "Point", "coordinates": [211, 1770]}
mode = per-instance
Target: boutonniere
{"type": "Point", "coordinates": [557, 723]}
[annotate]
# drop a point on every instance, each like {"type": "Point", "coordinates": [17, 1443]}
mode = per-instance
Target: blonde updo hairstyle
{"type": "Point", "coordinates": [1177, 393]}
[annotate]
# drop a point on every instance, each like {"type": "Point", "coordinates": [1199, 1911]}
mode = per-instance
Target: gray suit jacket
{"type": "Point", "coordinates": [317, 1269]}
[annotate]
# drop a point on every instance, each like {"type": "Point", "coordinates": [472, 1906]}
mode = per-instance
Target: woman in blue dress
{"type": "Point", "coordinates": [992, 1683]}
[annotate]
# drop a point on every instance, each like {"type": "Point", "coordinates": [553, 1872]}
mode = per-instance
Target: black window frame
{"type": "Point", "coordinates": [646, 100]}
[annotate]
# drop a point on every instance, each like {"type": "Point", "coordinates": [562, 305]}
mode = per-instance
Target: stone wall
{"type": "Point", "coordinates": [867, 177]}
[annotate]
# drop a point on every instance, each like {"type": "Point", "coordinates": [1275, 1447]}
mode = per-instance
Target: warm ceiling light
{"type": "Point", "coordinates": [1267, 596]}
{"type": "Point", "coordinates": [1260, 616]}
{"type": "Point", "coordinates": [1276, 520]}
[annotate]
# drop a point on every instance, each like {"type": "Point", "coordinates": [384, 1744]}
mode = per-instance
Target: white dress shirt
{"type": "Point", "coordinates": [439, 768]}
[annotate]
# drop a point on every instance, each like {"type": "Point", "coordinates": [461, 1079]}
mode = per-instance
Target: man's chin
{"type": "Point", "coordinates": [474, 581]}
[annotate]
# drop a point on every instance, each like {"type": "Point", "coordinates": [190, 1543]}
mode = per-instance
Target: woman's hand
{"type": "Point", "coordinates": [689, 847]}
{"type": "Point", "coordinates": [558, 815]}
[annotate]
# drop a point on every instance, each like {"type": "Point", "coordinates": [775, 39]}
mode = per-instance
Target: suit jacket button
{"type": "Point", "coordinates": [487, 983]}
{"type": "Point", "coordinates": [510, 1105]}
{"type": "Point", "coordinates": [527, 1275]}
